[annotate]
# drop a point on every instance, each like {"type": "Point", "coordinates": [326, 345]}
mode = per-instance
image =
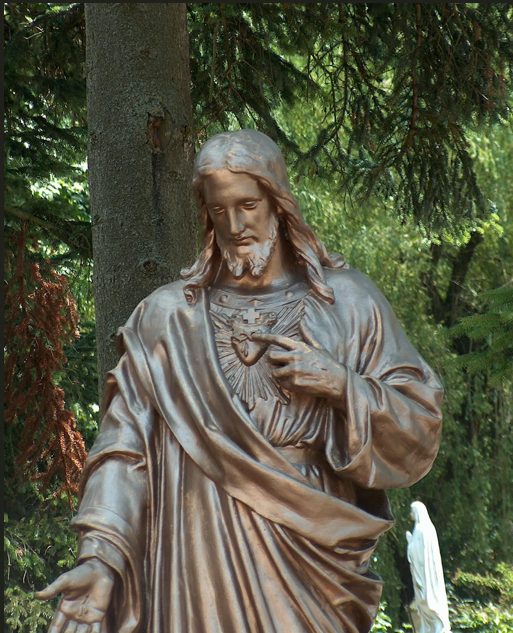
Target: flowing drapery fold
{"type": "Point", "coordinates": [209, 527]}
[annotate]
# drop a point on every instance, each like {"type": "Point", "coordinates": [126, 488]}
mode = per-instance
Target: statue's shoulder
{"type": "Point", "coordinates": [350, 283]}
{"type": "Point", "coordinates": [167, 297]}
{"type": "Point", "coordinates": [155, 309]}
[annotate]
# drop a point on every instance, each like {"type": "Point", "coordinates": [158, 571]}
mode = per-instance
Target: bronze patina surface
{"type": "Point", "coordinates": [262, 406]}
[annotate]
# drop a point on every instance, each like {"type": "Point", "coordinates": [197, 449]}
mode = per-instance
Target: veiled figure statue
{"type": "Point", "coordinates": [263, 404]}
{"type": "Point", "coordinates": [429, 609]}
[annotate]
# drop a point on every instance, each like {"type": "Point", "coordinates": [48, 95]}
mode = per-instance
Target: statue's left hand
{"type": "Point", "coordinates": [305, 366]}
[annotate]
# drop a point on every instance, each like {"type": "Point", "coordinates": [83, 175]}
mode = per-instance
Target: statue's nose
{"type": "Point", "coordinates": [235, 226]}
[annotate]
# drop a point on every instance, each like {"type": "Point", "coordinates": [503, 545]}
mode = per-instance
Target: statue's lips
{"type": "Point", "coordinates": [242, 241]}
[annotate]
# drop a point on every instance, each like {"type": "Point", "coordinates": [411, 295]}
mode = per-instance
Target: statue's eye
{"type": "Point", "coordinates": [217, 210]}
{"type": "Point", "coordinates": [249, 204]}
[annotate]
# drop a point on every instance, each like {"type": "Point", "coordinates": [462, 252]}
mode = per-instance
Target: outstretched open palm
{"type": "Point", "coordinates": [87, 592]}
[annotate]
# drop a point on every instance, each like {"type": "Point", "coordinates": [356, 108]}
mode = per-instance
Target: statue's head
{"type": "Point", "coordinates": [419, 513]}
{"type": "Point", "coordinates": [248, 166]}
{"type": "Point", "coordinates": [246, 152]}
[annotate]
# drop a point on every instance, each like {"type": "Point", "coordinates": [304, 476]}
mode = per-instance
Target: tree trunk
{"type": "Point", "coordinates": [140, 157]}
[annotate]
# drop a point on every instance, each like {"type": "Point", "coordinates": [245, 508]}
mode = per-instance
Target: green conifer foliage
{"type": "Point", "coordinates": [492, 330]}
{"type": "Point", "coordinates": [46, 122]}
{"type": "Point", "coordinates": [397, 84]}
{"type": "Point", "coordinates": [405, 107]}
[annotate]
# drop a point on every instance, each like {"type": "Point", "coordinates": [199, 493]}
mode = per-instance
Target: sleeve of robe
{"type": "Point", "coordinates": [114, 500]}
{"type": "Point", "coordinates": [388, 429]}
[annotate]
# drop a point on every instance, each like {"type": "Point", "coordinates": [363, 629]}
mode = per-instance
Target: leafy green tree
{"type": "Point", "coordinates": [46, 123]}
{"type": "Point", "coordinates": [494, 329]}
{"type": "Point", "coordinates": [396, 120]}
{"type": "Point", "coordinates": [46, 202]}
{"type": "Point", "coordinates": [391, 89]}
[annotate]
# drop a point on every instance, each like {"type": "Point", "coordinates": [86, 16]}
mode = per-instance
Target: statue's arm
{"type": "Point", "coordinates": [112, 514]}
{"type": "Point", "coordinates": [111, 519]}
{"type": "Point", "coordinates": [387, 403]}
{"type": "Point", "coordinates": [390, 406]}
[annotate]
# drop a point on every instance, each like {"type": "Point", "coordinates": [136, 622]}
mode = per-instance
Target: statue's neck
{"type": "Point", "coordinates": [281, 272]}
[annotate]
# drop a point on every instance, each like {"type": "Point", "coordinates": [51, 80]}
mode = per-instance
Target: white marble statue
{"type": "Point", "coordinates": [429, 609]}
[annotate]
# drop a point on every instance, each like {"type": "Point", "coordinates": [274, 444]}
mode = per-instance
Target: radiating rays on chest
{"type": "Point", "coordinates": [245, 362]}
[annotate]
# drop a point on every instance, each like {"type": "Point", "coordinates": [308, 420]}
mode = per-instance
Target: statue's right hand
{"type": "Point", "coordinates": [87, 592]}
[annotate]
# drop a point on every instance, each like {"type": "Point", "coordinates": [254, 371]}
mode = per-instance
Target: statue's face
{"type": "Point", "coordinates": [244, 219]}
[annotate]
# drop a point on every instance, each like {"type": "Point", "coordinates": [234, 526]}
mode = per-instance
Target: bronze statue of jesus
{"type": "Point", "coordinates": [263, 404]}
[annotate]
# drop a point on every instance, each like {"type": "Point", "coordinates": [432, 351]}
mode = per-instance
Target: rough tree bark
{"type": "Point", "coordinates": [140, 156]}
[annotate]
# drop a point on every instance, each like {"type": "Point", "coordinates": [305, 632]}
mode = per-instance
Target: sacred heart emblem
{"type": "Point", "coordinates": [245, 324]}
{"type": "Point", "coordinates": [242, 359]}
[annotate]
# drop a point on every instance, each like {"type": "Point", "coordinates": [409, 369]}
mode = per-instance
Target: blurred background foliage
{"type": "Point", "coordinates": [396, 122]}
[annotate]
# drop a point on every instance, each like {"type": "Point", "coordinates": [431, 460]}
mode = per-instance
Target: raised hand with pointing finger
{"type": "Point", "coordinates": [305, 367]}
{"type": "Point", "coordinates": [86, 595]}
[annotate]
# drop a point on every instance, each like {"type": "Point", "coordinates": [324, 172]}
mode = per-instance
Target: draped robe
{"type": "Point", "coordinates": [208, 526]}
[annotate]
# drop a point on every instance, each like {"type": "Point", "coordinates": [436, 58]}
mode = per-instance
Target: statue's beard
{"type": "Point", "coordinates": [255, 262]}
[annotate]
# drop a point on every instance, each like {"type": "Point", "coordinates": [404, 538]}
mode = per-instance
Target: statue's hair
{"type": "Point", "coordinates": [254, 154]}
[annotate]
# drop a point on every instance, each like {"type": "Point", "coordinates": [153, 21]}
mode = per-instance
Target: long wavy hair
{"type": "Point", "coordinates": [255, 154]}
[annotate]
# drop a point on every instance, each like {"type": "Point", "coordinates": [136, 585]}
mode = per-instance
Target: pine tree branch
{"type": "Point", "coordinates": [29, 217]}
{"type": "Point", "coordinates": [415, 96]}
{"type": "Point", "coordinates": [430, 285]}
{"type": "Point", "coordinates": [75, 234]}
{"type": "Point", "coordinates": [460, 267]}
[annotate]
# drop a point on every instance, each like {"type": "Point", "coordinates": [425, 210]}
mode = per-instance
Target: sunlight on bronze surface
{"type": "Point", "coordinates": [262, 405]}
